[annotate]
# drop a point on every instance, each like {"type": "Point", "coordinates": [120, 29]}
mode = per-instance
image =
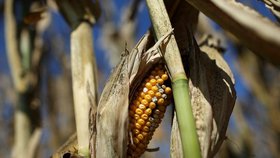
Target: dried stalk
{"type": "Point", "coordinates": [25, 75]}
{"type": "Point", "coordinates": [12, 48]}
{"type": "Point", "coordinates": [84, 82]}
{"type": "Point", "coordinates": [162, 25]}
{"type": "Point", "coordinates": [81, 15]}
{"type": "Point", "coordinates": [254, 31]}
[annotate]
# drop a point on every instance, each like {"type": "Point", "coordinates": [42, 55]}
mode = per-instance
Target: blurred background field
{"type": "Point", "coordinates": [254, 128]}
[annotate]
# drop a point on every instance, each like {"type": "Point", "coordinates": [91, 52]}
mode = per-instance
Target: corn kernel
{"type": "Point", "coordinates": [142, 146]}
{"type": "Point", "coordinates": [136, 116]}
{"type": "Point", "coordinates": [151, 93]}
{"type": "Point", "coordinates": [146, 129]}
{"type": "Point", "coordinates": [136, 140]}
{"type": "Point", "coordinates": [144, 116]}
{"type": "Point", "coordinates": [152, 105]}
{"type": "Point", "coordinates": [136, 131]}
{"type": "Point", "coordinates": [148, 111]}
{"type": "Point", "coordinates": [155, 88]}
{"type": "Point", "coordinates": [142, 94]}
{"type": "Point", "coordinates": [148, 85]}
{"type": "Point", "coordinates": [137, 125]}
{"type": "Point", "coordinates": [160, 101]}
{"type": "Point", "coordinates": [148, 97]}
{"type": "Point", "coordinates": [144, 102]}
{"type": "Point", "coordinates": [168, 90]}
{"type": "Point", "coordinates": [160, 81]}
{"type": "Point", "coordinates": [136, 102]}
{"type": "Point", "coordinates": [140, 136]}
{"type": "Point", "coordinates": [157, 111]}
{"type": "Point", "coordinates": [158, 95]}
{"type": "Point", "coordinates": [145, 134]}
{"type": "Point", "coordinates": [153, 82]}
{"type": "Point", "coordinates": [141, 121]}
{"type": "Point", "coordinates": [162, 108]}
{"type": "Point", "coordinates": [142, 107]}
{"type": "Point", "coordinates": [164, 77]}
{"type": "Point", "coordinates": [138, 111]}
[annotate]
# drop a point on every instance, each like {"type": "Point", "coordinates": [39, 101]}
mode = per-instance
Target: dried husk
{"type": "Point", "coordinates": [112, 113]}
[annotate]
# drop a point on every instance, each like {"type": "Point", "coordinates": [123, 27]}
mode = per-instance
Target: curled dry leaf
{"type": "Point", "coordinates": [213, 97]}
{"type": "Point", "coordinates": [211, 86]}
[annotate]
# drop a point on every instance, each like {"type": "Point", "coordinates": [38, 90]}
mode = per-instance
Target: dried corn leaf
{"type": "Point", "coordinates": [274, 6]}
{"type": "Point", "coordinates": [210, 84]}
{"type": "Point", "coordinates": [252, 29]}
{"type": "Point", "coordinates": [213, 97]}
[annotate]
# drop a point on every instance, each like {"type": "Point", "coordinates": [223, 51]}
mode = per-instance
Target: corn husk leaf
{"type": "Point", "coordinates": [112, 113]}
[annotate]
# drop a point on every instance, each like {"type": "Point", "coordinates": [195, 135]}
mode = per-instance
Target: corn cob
{"type": "Point", "coordinates": [147, 110]}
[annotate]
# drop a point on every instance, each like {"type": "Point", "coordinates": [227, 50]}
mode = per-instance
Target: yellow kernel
{"type": "Point", "coordinates": [141, 121]}
{"type": "Point", "coordinates": [148, 97]}
{"type": "Point", "coordinates": [151, 93]}
{"type": "Point", "coordinates": [142, 107]}
{"type": "Point", "coordinates": [137, 125]}
{"type": "Point", "coordinates": [153, 82]}
{"type": "Point", "coordinates": [140, 136]}
{"type": "Point", "coordinates": [148, 124]}
{"type": "Point", "coordinates": [144, 116]}
{"type": "Point", "coordinates": [142, 94]}
{"type": "Point", "coordinates": [152, 105]}
{"type": "Point", "coordinates": [144, 134]}
{"type": "Point", "coordinates": [164, 77]}
{"type": "Point", "coordinates": [148, 85]}
{"type": "Point", "coordinates": [145, 129]}
{"type": "Point", "coordinates": [168, 90]}
{"type": "Point", "coordinates": [136, 141]}
{"type": "Point", "coordinates": [160, 101]}
{"type": "Point", "coordinates": [139, 111]}
{"type": "Point", "coordinates": [158, 95]}
{"type": "Point", "coordinates": [136, 116]}
{"type": "Point", "coordinates": [144, 102]}
{"type": "Point", "coordinates": [136, 131]}
{"type": "Point", "coordinates": [148, 111]}
{"type": "Point", "coordinates": [155, 88]}
{"type": "Point", "coordinates": [160, 81]}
